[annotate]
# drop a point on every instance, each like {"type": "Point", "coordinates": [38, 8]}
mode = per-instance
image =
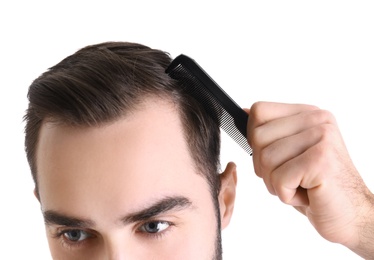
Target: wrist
{"type": "Point", "coordinates": [363, 245]}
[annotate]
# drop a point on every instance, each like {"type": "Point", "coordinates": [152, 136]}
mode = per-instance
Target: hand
{"type": "Point", "coordinates": [300, 154]}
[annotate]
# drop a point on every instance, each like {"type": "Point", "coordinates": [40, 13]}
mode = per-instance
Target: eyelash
{"type": "Point", "coordinates": [70, 244]}
{"type": "Point", "coordinates": [75, 245]}
{"type": "Point", "coordinates": [157, 235]}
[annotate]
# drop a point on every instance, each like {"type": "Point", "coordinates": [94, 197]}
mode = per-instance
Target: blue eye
{"type": "Point", "coordinates": [76, 235]}
{"type": "Point", "coordinates": [154, 226]}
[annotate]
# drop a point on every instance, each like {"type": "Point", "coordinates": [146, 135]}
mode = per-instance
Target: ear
{"type": "Point", "coordinates": [36, 195]}
{"type": "Point", "coordinates": [226, 197]}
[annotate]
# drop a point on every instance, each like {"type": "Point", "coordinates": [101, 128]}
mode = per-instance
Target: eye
{"type": "Point", "coordinates": [76, 235]}
{"type": "Point", "coordinates": [154, 226]}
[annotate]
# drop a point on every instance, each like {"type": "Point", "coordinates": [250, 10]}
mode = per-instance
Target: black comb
{"type": "Point", "coordinates": [232, 119]}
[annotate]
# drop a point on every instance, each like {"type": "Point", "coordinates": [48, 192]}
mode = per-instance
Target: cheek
{"type": "Point", "coordinates": [197, 239]}
{"type": "Point", "coordinates": [199, 243]}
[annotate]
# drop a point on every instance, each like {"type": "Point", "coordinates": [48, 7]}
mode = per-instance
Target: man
{"type": "Point", "coordinates": [126, 162]}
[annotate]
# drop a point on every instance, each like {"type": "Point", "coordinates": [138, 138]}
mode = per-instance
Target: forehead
{"type": "Point", "coordinates": [139, 156]}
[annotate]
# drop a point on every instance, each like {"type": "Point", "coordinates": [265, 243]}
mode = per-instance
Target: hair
{"type": "Point", "coordinates": [100, 83]}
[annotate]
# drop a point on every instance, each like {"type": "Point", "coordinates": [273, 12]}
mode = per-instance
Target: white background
{"type": "Point", "coordinates": [316, 52]}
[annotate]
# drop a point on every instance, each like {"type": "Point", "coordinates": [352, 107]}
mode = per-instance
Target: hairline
{"type": "Point", "coordinates": [163, 97]}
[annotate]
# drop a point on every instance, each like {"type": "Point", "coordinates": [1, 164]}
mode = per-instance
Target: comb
{"type": "Point", "coordinates": [232, 119]}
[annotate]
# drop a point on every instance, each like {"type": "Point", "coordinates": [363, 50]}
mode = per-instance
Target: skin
{"type": "Point", "coordinates": [299, 153]}
{"type": "Point", "coordinates": [110, 187]}
{"type": "Point", "coordinates": [102, 181]}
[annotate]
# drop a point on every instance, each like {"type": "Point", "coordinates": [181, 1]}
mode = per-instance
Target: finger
{"type": "Point", "coordinates": [280, 128]}
{"type": "Point", "coordinates": [286, 183]}
{"type": "Point", "coordinates": [262, 112]}
{"type": "Point", "coordinates": [303, 175]}
{"type": "Point", "coordinates": [284, 150]}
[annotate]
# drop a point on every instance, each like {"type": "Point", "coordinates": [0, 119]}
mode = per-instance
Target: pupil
{"type": "Point", "coordinates": [152, 227]}
{"type": "Point", "coordinates": [74, 235]}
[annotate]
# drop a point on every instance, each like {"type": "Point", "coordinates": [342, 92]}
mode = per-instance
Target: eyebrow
{"type": "Point", "coordinates": [164, 205]}
{"type": "Point", "coordinates": [52, 217]}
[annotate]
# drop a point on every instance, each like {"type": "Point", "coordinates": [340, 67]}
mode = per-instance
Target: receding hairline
{"type": "Point", "coordinates": [141, 104]}
{"type": "Point", "coordinates": [100, 84]}
{"type": "Point", "coordinates": [139, 107]}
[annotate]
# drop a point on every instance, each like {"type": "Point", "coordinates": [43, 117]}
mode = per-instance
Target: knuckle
{"type": "Point", "coordinates": [323, 154]}
{"type": "Point", "coordinates": [313, 108]}
{"type": "Point", "coordinates": [327, 116]}
{"type": "Point", "coordinates": [256, 109]}
{"type": "Point", "coordinates": [320, 116]}
{"type": "Point", "coordinates": [267, 160]}
{"type": "Point", "coordinates": [280, 192]}
{"type": "Point", "coordinates": [256, 138]}
{"type": "Point", "coordinates": [327, 133]}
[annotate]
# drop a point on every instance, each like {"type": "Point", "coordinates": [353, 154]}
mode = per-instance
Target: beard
{"type": "Point", "coordinates": [218, 246]}
{"type": "Point", "coordinates": [217, 254]}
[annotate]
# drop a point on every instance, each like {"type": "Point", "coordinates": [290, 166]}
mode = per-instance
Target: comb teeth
{"type": "Point", "coordinates": [232, 119]}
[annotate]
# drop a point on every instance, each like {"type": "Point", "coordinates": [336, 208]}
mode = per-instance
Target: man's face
{"type": "Point", "coordinates": [126, 190]}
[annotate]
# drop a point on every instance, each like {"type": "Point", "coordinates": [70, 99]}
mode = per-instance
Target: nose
{"type": "Point", "coordinates": [122, 246]}
{"type": "Point", "coordinates": [117, 247]}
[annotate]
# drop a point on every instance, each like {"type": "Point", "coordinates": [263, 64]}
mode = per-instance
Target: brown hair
{"type": "Point", "coordinates": [100, 83]}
